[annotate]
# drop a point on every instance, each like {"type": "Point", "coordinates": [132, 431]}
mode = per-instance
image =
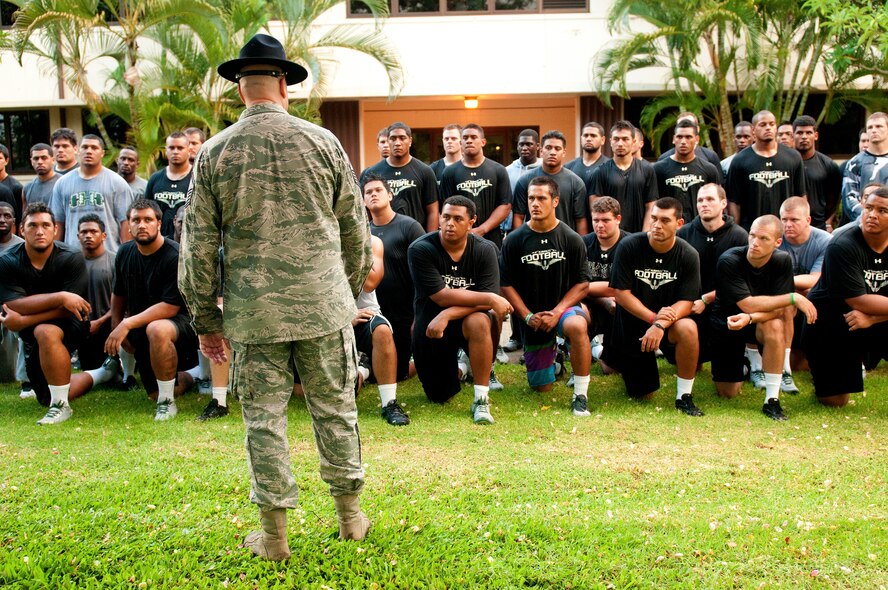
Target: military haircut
{"type": "Point", "coordinates": [665, 203]}
{"type": "Point", "coordinates": [35, 209]}
{"type": "Point", "coordinates": [804, 121]}
{"type": "Point", "coordinates": [796, 204]}
{"type": "Point", "coordinates": [65, 134]}
{"type": "Point", "coordinates": [622, 125]}
{"type": "Point", "coordinates": [400, 125]}
{"type": "Point", "coordinates": [92, 137]}
{"type": "Point", "coordinates": [595, 125]}
{"type": "Point", "coordinates": [530, 133]}
{"type": "Point", "coordinates": [5, 205]}
{"type": "Point", "coordinates": [461, 201]}
{"type": "Point", "coordinates": [91, 218]}
{"type": "Point", "coordinates": [554, 134]}
{"type": "Point", "coordinates": [38, 147]}
{"type": "Point", "coordinates": [547, 182]}
{"type": "Point", "coordinates": [606, 205]}
{"type": "Point", "coordinates": [476, 127]}
{"type": "Point", "coordinates": [140, 204]}
{"type": "Point", "coordinates": [771, 221]}
{"type": "Point", "coordinates": [719, 190]}
{"type": "Point", "coordinates": [742, 124]}
{"type": "Point", "coordinates": [177, 135]}
{"type": "Point", "coordinates": [759, 115]}
{"type": "Point", "coordinates": [686, 124]}
{"type": "Point", "coordinates": [451, 127]}
{"type": "Point", "coordinates": [196, 131]}
{"type": "Point", "coordinates": [384, 132]}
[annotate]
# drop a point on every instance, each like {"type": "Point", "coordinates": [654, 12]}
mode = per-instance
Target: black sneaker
{"type": "Point", "coordinates": [112, 365]}
{"type": "Point", "coordinates": [394, 414]}
{"type": "Point", "coordinates": [686, 405]}
{"type": "Point", "coordinates": [129, 384]}
{"type": "Point", "coordinates": [580, 406]}
{"type": "Point", "coordinates": [772, 410]}
{"type": "Point", "coordinates": [213, 410]}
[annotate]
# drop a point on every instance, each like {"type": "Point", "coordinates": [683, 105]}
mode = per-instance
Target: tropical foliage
{"type": "Point", "coordinates": [152, 63]}
{"type": "Point", "coordinates": [722, 57]}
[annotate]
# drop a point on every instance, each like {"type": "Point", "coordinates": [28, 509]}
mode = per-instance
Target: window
{"type": "Point", "coordinates": [19, 130]}
{"type": "Point", "coordinates": [441, 7]}
{"type": "Point", "coordinates": [6, 11]}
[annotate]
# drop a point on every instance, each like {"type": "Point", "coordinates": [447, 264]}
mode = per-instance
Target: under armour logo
{"type": "Point", "coordinates": [878, 261]}
{"type": "Point", "coordinates": [547, 241]}
{"type": "Point", "coordinates": [684, 168]}
{"type": "Point", "coordinates": [397, 174]}
{"type": "Point", "coordinates": [710, 239]}
{"type": "Point", "coordinates": [453, 268]}
{"type": "Point", "coordinates": [768, 164]}
{"type": "Point", "coordinates": [658, 260]}
{"type": "Point", "coordinates": [473, 174]}
{"type": "Point", "coordinates": [604, 256]}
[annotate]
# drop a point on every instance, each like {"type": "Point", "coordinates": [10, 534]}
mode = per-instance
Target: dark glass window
{"type": "Point", "coordinates": [19, 130]}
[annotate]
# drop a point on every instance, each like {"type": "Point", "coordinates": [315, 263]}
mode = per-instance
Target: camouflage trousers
{"type": "Point", "coordinates": [263, 379]}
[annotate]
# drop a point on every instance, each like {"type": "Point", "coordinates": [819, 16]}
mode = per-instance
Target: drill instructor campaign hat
{"type": "Point", "coordinates": [262, 50]}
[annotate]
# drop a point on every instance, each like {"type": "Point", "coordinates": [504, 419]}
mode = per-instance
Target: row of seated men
{"type": "Point", "coordinates": [394, 414]}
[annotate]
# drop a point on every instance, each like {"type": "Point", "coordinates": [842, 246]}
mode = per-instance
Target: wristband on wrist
{"type": "Point", "coordinates": [527, 318]}
{"type": "Point", "coordinates": [703, 299]}
{"type": "Point", "coordinates": [750, 319]}
{"type": "Point", "coordinates": [653, 319]}
{"type": "Point", "coordinates": [792, 298]}
{"type": "Point", "coordinates": [659, 325]}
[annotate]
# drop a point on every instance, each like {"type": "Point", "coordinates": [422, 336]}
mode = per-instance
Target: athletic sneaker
{"type": "Point", "coordinates": [166, 410]}
{"type": "Point", "coordinates": [394, 414]}
{"type": "Point", "coordinates": [758, 379]}
{"type": "Point", "coordinates": [58, 412]}
{"type": "Point", "coordinates": [112, 365]}
{"type": "Point", "coordinates": [213, 410]}
{"type": "Point", "coordinates": [494, 384]}
{"type": "Point", "coordinates": [75, 361]}
{"type": "Point", "coordinates": [597, 347]}
{"type": "Point", "coordinates": [501, 356]}
{"type": "Point", "coordinates": [463, 359]}
{"type": "Point", "coordinates": [686, 405]}
{"type": "Point", "coordinates": [772, 410]}
{"type": "Point", "coordinates": [580, 406]}
{"type": "Point", "coordinates": [570, 380]}
{"type": "Point", "coordinates": [204, 386]}
{"type": "Point", "coordinates": [512, 345]}
{"type": "Point", "coordinates": [787, 385]}
{"type": "Point", "coordinates": [128, 384]}
{"type": "Point", "coordinates": [481, 411]}
{"type": "Point", "coordinates": [27, 392]}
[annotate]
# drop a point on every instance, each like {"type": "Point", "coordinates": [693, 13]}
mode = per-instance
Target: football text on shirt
{"type": "Point", "coordinates": [543, 258]}
{"type": "Point", "coordinates": [684, 181]}
{"type": "Point", "coordinates": [769, 177]}
{"type": "Point", "coordinates": [399, 185]}
{"type": "Point", "coordinates": [474, 186]}
{"type": "Point", "coordinates": [655, 277]}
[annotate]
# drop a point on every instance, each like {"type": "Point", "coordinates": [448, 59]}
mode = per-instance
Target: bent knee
{"type": "Point", "coordinates": [160, 330]}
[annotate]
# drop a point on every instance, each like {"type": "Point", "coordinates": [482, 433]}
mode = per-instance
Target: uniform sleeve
{"type": "Point", "coordinates": [426, 279]}
{"type": "Point", "coordinates": [354, 228]}
{"type": "Point", "coordinates": [170, 293]}
{"type": "Point", "coordinates": [199, 251]}
{"type": "Point", "coordinates": [713, 173]}
{"type": "Point", "coordinates": [730, 285]}
{"type": "Point", "coordinates": [834, 186]}
{"type": "Point", "coordinates": [621, 269]}
{"type": "Point", "coordinates": [650, 191]}
{"type": "Point", "coordinates": [429, 187]}
{"type": "Point", "coordinates": [519, 198]}
{"type": "Point", "coordinates": [149, 188]}
{"type": "Point", "coordinates": [784, 282]}
{"type": "Point", "coordinates": [595, 183]}
{"type": "Point", "coordinates": [733, 186]}
{"type": "Point", "coordinates": [578, 198]}
{"type": "Point", "coordinates": [690, 285]}
{"type": "Point", "coordinates": [579, 262]}
{"type": "Point", "coordinates": [10, 287]}
{"type": "Point", "coordinates": [117, 283]}
{"type": "Point", "coordinates": [123, 199]}
{"type": "Point", "coordinates": [414, 232]}
{"type": "Point", "coordinates": [488, 279]}
{"type": "Point", "coordinates": [503, 187]}
{"type": "Point", "coordinates": [57, 204]}
{"type": "Point", "coordinates": [799, 179]}
{"type": "Point", "coordinates": [846, 270]}
{"type": "Point", "coordinates": [75, 278]}
{"type": "Point", "coordinates": [448, 184]}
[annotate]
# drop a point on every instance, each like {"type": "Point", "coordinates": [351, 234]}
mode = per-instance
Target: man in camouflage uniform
{"type": "Point", "coordinates": [280, 196]}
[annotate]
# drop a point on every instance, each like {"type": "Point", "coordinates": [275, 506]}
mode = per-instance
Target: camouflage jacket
{"type": "Point", "coordinates": [280, 196]}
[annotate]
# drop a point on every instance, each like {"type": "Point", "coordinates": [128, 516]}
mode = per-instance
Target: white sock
{"type": "Point", "coordinates": [387, 393]}
{"type": "Point", "coordinates": [683, 386]}
{"type": "Point", "coordinates": [219, 394]}
{"type": "Point", "coordinates": [165, 390]}
{"type": "Point", "coordinates": [195, 372]}
{"type": "Point", "coordinates": [59, 394]}
{"type": "Point", "coordinates": [364, 372]}
{"type": "Point", "coordinates": [772, 386]}
{"type": "Point", "coordinates": [481, 392]}
{"type": "Point", "coordinates": [99, 375]}
{"type": "Point", "coordinates": [128, 360]}
{"type": "Point", "coordinates": [204, 364]}
{"type": "Point", "coordinates": [581, 385]}
{"type": "Point", "coordinates": [755, 359]}
{"type": "Point", "coordinates": [787, 367]}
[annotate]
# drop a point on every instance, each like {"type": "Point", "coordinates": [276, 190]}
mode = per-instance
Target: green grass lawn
{"type": "Point", "coordinates": [637, 496]}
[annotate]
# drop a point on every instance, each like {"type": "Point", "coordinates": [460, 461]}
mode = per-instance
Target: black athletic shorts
{"type": "Point", "coordinates": [638, 369]}
{"type": "Point", "coordinates": [435, 360]}
{"type": "Point", "coordinates": [704, 334]}
{"type": "Point", "coordinates": [92, 350]}
{"type": "Point", "coordinates": [727, 350]}
{"type": "Point", "coordinates": [402, 329]}
{"type": "Point", "coordinates": [186, 350]}
{"type": "Point", "coordinates": [75, 332]}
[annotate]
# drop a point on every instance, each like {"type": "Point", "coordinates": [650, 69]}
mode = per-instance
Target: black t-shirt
{"type": "Point", "coordinates": [64, 270]}
{"type": "Point", "coordinates": [656, 279]}
{"type": "Point", "coordinates": [486, 185]}
{"type": "Point", "coordinates": [16, 189]}
{"type": "Point", "coordinates": [413, 187]}
{"type": "Point", "coordinates": [585, 172]}
{"type": "Point", "coordinates": [600, 260]}
{"type": "Point", "coordinates": [850, 269]}
{"type": "Point", "coordinates": [824, 183]}
{"type": "Point", "coordinates": [573, 202]}
{"type": "Point", "coordinates": [633, 188]}
{"type": "Point", "coordinates": [7, 196]}
{"type": "Point", "coordinates": [759, 185]}
{"type": "Point", "coordinates": [542, 268]}
{"type": "Point", "coordinates": [702, 153]}
{"type": "Point", "coordinates": [683, 182]}
{"type": "Point", "coordinates": [148, 280]}
{"type": "Point", "coordinates": [736, 279]}
{"type": "Point", "coordinates": [395, 290]}
{"type": "Point", "coordinates": [438, 167]}
{"type": "Point", "coordinates": [433, 270]}
{"type": "Point", "coordinates": [170, 195]}
{"type": "Point", "coordinates": [710, 246]}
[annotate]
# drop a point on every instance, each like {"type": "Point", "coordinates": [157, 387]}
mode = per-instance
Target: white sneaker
{"type": "Point", "coordinates": [787, 385]}
{"type": "Point", "coordinates": [494, 384]}
{"type": "Point", "coordinates": [597, 347]}
{"type": "Point", "coordinates": [58, 412]}
{"type": "Point", "coordinates": [463, 359]}
{"type": "Point", "coordinates": [27, 394]}
{"type": "Point", "coordinates": [501, 356]}
{"type": "Point", "coordinates": [758, 379]}
{"type": "Point", "coordinates": [204, 386]}
{"type": "Point", "coordinates": [481, 411]}
{"type": "Point", "coordinates": [166, 410]}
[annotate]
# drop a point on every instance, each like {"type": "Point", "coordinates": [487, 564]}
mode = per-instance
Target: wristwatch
{"type": "Point", "coordinates": [659, 325]}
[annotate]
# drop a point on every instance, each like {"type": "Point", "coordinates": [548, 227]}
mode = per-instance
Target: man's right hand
{"type": "Point", "coordinates": [77, 305]}
{"type": "Point", "coordinates": [500, 305]}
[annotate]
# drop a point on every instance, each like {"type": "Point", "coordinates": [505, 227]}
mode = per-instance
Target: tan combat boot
{"type": "Point", "coordinates": [271, 541]}
{"type": "Point", "coordinates": [353, 524]}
